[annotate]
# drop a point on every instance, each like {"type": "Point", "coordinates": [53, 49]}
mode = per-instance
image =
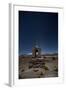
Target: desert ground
{"type": "Point", "coordinates": [39, 67]}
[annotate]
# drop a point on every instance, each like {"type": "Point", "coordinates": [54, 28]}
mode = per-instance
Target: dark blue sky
{"type": "Point", "coordinates": [40, 28]}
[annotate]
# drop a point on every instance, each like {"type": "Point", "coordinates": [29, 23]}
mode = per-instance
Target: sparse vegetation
{"type": "Point", "coordinates": [35, 70]}
{"type": "Point", "coordinates": [30, 66]}
{"type": "Point", "coordinates": [44, 57]}
{"type": "Point", "coordinates": [53, 58]}
{"type": "Point", "coordinates": [45, 67]}
{"type": "Point", "coordinates": [39, 76]}
{"type": "Point", "coordinates": [55, 69]}
{"type": "Point", "coordinates": [20, 77]}
{"type": "Point", "coordinates": [41, 73]}
{"type": "Point", "coordinates": [22, 70]}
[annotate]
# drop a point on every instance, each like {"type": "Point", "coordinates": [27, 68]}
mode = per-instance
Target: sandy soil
{"type": "Point", "coordinates": [38, 67]}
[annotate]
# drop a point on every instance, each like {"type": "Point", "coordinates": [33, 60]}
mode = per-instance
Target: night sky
{"type": "Point", "coordinates": [39, 28]}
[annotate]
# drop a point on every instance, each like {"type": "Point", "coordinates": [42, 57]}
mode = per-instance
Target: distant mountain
{"type": "Point", "coordinates": [50, 54]}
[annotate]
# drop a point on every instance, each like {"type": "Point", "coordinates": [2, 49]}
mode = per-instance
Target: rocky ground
{"type": "Point", "coordinates": [38, 67]}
